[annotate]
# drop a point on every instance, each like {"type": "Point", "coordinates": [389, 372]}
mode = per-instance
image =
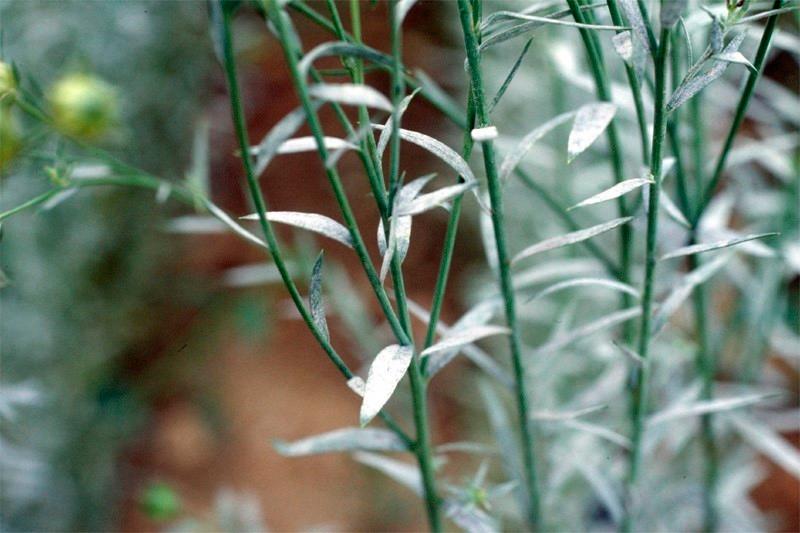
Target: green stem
{"type": "Point", "coordinates": [640, 374]}
{"type": "Point", "coordinates": [506, 284]}
{"type": "Point", "coordinates": [741, 111]}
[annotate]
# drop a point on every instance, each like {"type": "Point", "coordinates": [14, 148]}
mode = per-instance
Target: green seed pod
{"type": "Point", "coordinates": [83, 106]}
{"type": "Point", "coordinates": [8, 82]}
{"type": "Point", "coordinates": [10, 137]}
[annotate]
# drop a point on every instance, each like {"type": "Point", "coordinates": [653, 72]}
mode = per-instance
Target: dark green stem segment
{"type": "Point", "coordinates": [741, 110]}
{"type": "Point", "coordinates": [506, 285]}
{"type": "Point", "coordinates": [639, 376]}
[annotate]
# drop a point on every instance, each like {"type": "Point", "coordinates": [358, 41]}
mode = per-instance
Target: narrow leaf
{"type": "Point", "coordinates": [310, 221]}
{"type": "Point", "coordinates": [737, 58]}
{"type": "Point", "coordinates": [634, 357]}
{"type": "Point", "coordinates": [590, 122]}
{"type": "Point", "coordinates": [615, 191]}
{"type": "Point", "coordinates": [268, 147]}
{"type": "Point", "coordinates": [569, 238]}
{"type": "Point", "coordinates": [514, 157]}
{"type": "Point", "coordinates": [591, 328]}
{"type": "Point", "coordinates": [509, 78]}
{"type": "Point", "coordinates": [469, 518]}
{"type": "Point", "coordinates": [557, 416]}
{"type": "Point", "coordinates": [510, 15]}
{"type": "Point", "coordinates": [386, 134]}
{"type": "Point", "coordinates": [703, 407]}
{"type": "Point", "coordinates": [466, 336]}
{"type": "Point", "coordinates": [343, 440]}
{"type": "Point", "coordinates": [386, 371]}
{"type": "Point", "coordinates": [768, 442]}
{"type": "Point", "coordinates": [434, 199]}
{"type": "Point", "coordinates": [437, 148]}
{"type": "Point", "coordinates": [672, 210]}
{"type": "Point", "coordinates": [671, 11]}
{"type": "Point", "coordinates": [309, 144]}
{"type": "Point", "coordinates": [343, 49]}
{"type": "Point", "coordinates": [350, 94]}
{"type": "Point", "coordinates": [223, 217]}
{"type": "Point", "coordinates": [582, 282]}
{"type": "Point", "coordinates": [700, 248]}
{"type": "Point", "coordinates": [638, 26]}
{"type": "Point", "coordinates": [315, 300]}
{"type": "Point", "coordinates": [404, 473]}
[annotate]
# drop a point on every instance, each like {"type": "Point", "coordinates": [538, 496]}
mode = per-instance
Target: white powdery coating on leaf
{"type": "Point", "coordinates": [514, 157]}
{"type": "Point", "coordinates": [465, 336]}
{"type": "Point", "coordinates": [769, 443]}
{"type": "Point", "coordinates": [315, 301]}
{"type": "Point", "coordinates": [406, 474]}
{"type": "Point", "coordinates": [308, 144]}
{"type": "Point", "coordinates": [700, 248]}
{"type": "Point", "coordinates": [623, 45]}
{"type": "Point", "coordinates": [385, 373]}
{"type": "Point", "coordinates": [570, 238]}
{"type": "Point", "coordinates": [350, 94]}
{"type": "Point", "coordinates": [590, 122]}
{"type": "Point", "coordinates": [343, 440]}
{"type": "Point", "coordinates": [706, 406]}
{"type": "Point", "coordinates": [615, 191]}
{"type": "Point", "coordinates": [357, 385]}
{"type": "Point", "coordinates": [434, 199]}
{"type": "Point", "coordinates": [484, 134]}
{"type": "Point", "coordinates": [312, 222]}
{"type": "Point", "coordinates": [580, 282]}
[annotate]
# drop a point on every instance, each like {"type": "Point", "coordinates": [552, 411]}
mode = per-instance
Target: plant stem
{"type": "Point", "coordinates": [739, 115]}
{"type": "Point", "coordinates": [506, 284]}
{"type": "Point", "coordinates": [640, 375]}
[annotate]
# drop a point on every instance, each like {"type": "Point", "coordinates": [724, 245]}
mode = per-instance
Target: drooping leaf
{"type": "Point", "coordinates": [599, 431]}
{"type": "Point", "coordinates": [582, 282]}
{"type": "Point", "coordinates": [615, 191]}
{"type": "Point", "coordinates": [569, 238]}
{"type": "Point", "coordinates": [514, 157]}
{"type": "Point", "coordinates": [558, 416]}
{"type": "Point", "coordinates": [707, 247]}
{"type": "Point", "coordinates": [404, 473]}
{"type": "Point", "coordinates": [703, 407]}
{"type": "Point", "coordinates": [591, 328]}
{"type": "Point", "coordinates": [510, 15]}
{"type": "Point", "coordinates": [591, 121]}
{"type": "Point", "coordinates": [437, 148]}
{"type": "Point", "coordinates": [768, 442]}
{"type": "Point", "coordinates": [434, 199]}
{"type": "Point", "coordinates": [683, 289]}
{"type": "Point", "coordinates": [465, 336]}
{"type": "Point", "coordinates": [312, 222]}
{"type": "Point", "coordinates": [343, 440]}
{"type": "Point", "coordinates": [350, 94]}
{"type": "Point", "coordinates": [315, 300]}
{"type": "Point", "coordinates": [223, 217]}
{"type": "Point", "coordinates": [386, 371]}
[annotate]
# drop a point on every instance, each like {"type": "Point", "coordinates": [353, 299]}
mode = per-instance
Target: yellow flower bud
{"type": "Point", "coordinates": [8, 83]}
{"type": "Point", "coordinates": [10, 141]}
{"type": "Point", "coordinates": [83, 106]}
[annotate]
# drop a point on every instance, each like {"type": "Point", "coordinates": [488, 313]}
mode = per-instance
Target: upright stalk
{"type": "Point", "coordinates": [640, 375]}
{"type": "Point", "coordinates": [506, 285]}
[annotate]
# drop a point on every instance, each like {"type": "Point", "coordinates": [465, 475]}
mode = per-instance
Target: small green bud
{"type": "Point", "coordinates": [8, 82]}
{"type": "Point", "coordinates": [10, 137]}
{"type": "Point", "coordinates": [83, 106]}
{"type": "Point", "coordinates": [160, 502]}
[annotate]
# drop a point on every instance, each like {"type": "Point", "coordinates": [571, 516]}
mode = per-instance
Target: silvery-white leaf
{"type": "Point", "coordinates": [163, 192]}
{"type": "Point", "coordinates": [386, 371]}
{"type": "Point", "coordinates": [315, 300]}
{"type": "Point", "coordinates": [350, 94]}
{"type": "Point", "coordinates": [343, 49]}
{"type": "Point", "coordinates": [488, 239]}
{"type": "Point", "coordinates": [736, 57]}
{"type": "Point", "coordinates": [469, 518]}
{"type": "Point", "coordinates": [312, 222]}
{"type": "Point", "coordinates": [404, 473]}
{"type": "Point", "coordinates": [582, 282]}
{"type": "Point", "coordinates": [437, 148]}
{"type": "Point", "coordinates": [557, 416]}
{"type": "Point", "coordinates": [90, 171]}
{"type": "Point", "coordinates": [252, 275]}
{"type": "Point", "coordinates": [623, 45]}
{"type": "Point", "coordinates": [411, 190]}
{"type": "Point", "coordinates": [703, 407]}
{"type": "Point", "coordinates": [478, 315]}
{"type": "Point", "coordinates": [513, 158]}
{"type": "Point", "coordinates": [672, 210]}
{"type": "Point", "coordinates": [768, 442]}
{"type": "Point", "coordinates": [569, 238]}
{"type": "Point", "coordinates": [357, 385]}
{"type": "Point", "coordinates": [197, 178]}
{"type": "Point", "coordinates": [510, 15]}
{"type": "Point", "coordinates": [716, 36]}
{"type": "Point", "coordinates": [465, 336]}
{"type": "Point", "coordinates": [268, 147]}
{"type": "Point", "coordinates": [683, 289]}
{"type": "Point", "coordinates": [696, 83]}
{"type": "Point", "coordinates": [434, 199]}
{"type": "Point", "coordinates": [638, 26]}
{"type": "Point", "coordinates": [344, 440]}
{"type": "Point", "coordinates": [466, 447]}
{"type": "Point", "coordinates": [615, 191]}
{"type": "Point", "coordinates": [634, 357]}
{"type": "Point", "coordinates": [223, 217]}
{"type": "Point", "coordinates": [591, 121]}
{"type": "Point", "coordinates": [599, 431]}
{"type": "Point", "coordinates": [58, 198]}
{"type": "Point", "coordinates": [484, 134]}
{"type": "Point", "coordinates": [604, 489]}
{"type": "Point", "coordinates": [591, 328]}
{"type": "Point", "coordinates": [308, 144]}
{"type": "Point", "coordinates": [707, 247]}
{"type": "Point", "coordinates": [671, 11]}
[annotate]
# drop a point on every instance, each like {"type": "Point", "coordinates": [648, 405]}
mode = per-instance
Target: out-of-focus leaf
{"type": "Point", "coordinates": [514, 157]}
{"type": "Point", "coordinates": [634, 357]}
{"type": "Point", "coordinates": [310, 221]}
{"type": "Point", "coordinates": [560, 416]}
{"type": "Point", "coordinates": [465, 336]}
{"type": "Point", "coordinates": [343, 440]}
{"type": "Point", "coordinates": [614, 191]}
{"type": "Point", "coordinates": [703, 407]}
{"type": "Point", "coordinates": [671, 11]}
{"type": "Point", "coordinates": [672, 210]}
{"type": "Point", "coordinates": [591, 328]}
{"type": "Point", "coordinates": [707, 247]}
{"type": "Point", "coordinates": [599, 431]}
{"type": "Point", "coordinates": [434, 199]}
{"type": "Point", "coordinates": [272, 141]}
{"type": "Point", "coordinates": [591, 121]}
{"type": "Point", "coordinates": [401, 10]}
{"type": "Point", "coordinates": [638, 26]}
{"type": "Point", "coordinates": [569, 238]}
{"type": "Point", "coordinates": [768, 442]}
{"type": "Point", "coordinates": [582, 282]}
{"type": "Point", "coordinates": [386, 371]}
{"type": "Point", "coordinates": [484, 134]}
{"type": "Point", "coordinates": [315, 300]}
{"type": "Point", "coordinates": [404, 473]}
{"type": "Point", "coordinates": [350, 94]}
{"type": "Point", "coordinates": [309, 144]}
{"type": "Point", "coordinates": [469, 517]}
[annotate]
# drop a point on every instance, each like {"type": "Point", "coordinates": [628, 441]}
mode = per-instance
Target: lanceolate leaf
{"type": "Point", "coordinates": [513, 72]}
{"type": "Point", "coordinates": [268, 147]}
{"type": "Point", "coordinates": [513, 158]}
{"type": "Point", "coordinates": [344, 440]}
{"type": "Point", "coordinates": [582, 282]}
{"type": "Point", "coordinates": [591, 328]}
{"type": "Point", "coordinates": [510, 15]}
{"type": "Point", "coordinates": [309, 144]}
{"type": "Point", "coordinates": [706, 406]}
{"type": "Point", "coordinates": [466, 336]}
{"type": "Point", "coordinates": [590, 122]}
{"type": "Point", "coordinates": [638, 27]}
{"type": "Point", "coordinates": [599, 431]}
{"type": "Point", "coordinates": [469, 517]}
{"type": "Point", "coordinates": [615, 191]}
{"type": "Point", "coordinates": [437, 148]}
{"type": "Point", "coordinates": [315, 300]}
{"type": "Point", "coordinates": [386, 134]}
{"type": "Point", "coordinates": [385, 373]}
{"type": "Point", "coordinates": [569, 238]}
{"type": "Point", "coordinates": [700, 248]}
{"type": "Point", "coordinates": [672, 210]}
{"type": "Point", "coordinates": [558, 416]}
{"type": "Point", "coordinates": [768, 442]}
{"type": "Point", "coordinates": [671, 11]}
{"type": "Point", "coordinates": [736, 57]}
{"type": "Point", "coordinates": [343, 49]}
{"type": "Point", "coordinates": [434, 199]}
{"type": "Point", "coordinates": [404, 473]}
{"type": "Point", "coordinates": [350, 94]}
{"type": "Point", "coordinates": [311, 221]}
